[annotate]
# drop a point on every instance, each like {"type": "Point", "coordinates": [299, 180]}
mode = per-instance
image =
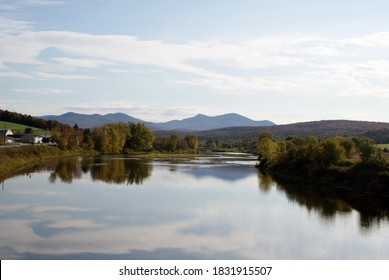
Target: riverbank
{"type": "Point", "coordinates": [18, 158]}
{"type": "Point", "coordinates": [370, 177]}
{"type": "Point", "coordinates": [15, 159]}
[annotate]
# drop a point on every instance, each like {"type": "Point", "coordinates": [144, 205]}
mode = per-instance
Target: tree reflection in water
{"type": "Point", "coordinates": [329, 202]}
{"type": "Point", "coordinates": [66, 170]}
{"type": "Point", "coordinates": [265, 182]}
{"type": "Point", "coordinates": [108, 170]}
{"type": "Point", "coordinates": [120, 170]}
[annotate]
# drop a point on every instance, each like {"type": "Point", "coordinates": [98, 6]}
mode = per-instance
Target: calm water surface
{"type": "Point", "coordinates": [206, 208]}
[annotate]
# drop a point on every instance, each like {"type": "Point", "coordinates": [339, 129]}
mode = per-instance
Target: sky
{"type": "Point", "coordinates": [158, 60]}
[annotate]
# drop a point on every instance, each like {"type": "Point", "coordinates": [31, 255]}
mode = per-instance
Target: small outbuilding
{"type": "Point", "coordinates": [32, 139]}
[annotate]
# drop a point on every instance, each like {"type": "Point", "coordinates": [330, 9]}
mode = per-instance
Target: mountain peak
{"type": "Point", "coordinates": [89, 121]}
{"type": "Point", "coordinates": [200, 116]}
{"type": "Point", "coordinates": [204, 122]}
{"type": "Point", "coordinates": [196, 123]}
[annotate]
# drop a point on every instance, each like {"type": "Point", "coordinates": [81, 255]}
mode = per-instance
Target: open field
{"type": "Point", "coordinates": [383, 146]}
{"type": "Point", "coordinates": [19, 128]}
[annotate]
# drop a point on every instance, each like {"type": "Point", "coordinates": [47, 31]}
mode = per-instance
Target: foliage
{"type": "Point", "coordinates": [167, 143]}
{"type": "Point", "coordinates": [27, 120]}
{"type": "Point", "coordinates": [307, 151]}
{"type": "Point", "coordinates": [192, 142]}
{"type": "Point", "coordinates": [267, 148]}
{"type": "Point", "coordinates": [120, 138]}
{"type": "Point", "coordinates": [88, 144]}
{"type": "Point", "coordinates": [380, 136]}
{"type": "Point", "coordinates": [330, 152]}
{"type": "Point", "coordinates": [174, 144]}
{"type": "Point", "coordinates": [367, 149]}
{"type": "Point", "coordinates": [355, 163]}
{"type": "Point", "coordinates": [377, 131]}
{"type": "Point", "coordinates": [110, 138]}
{"type": "Point", "coordinates": [140, 138]}
{"type": "Point", "coordinates": [28, 130]}
{"type": "Point", "coordinates": [67, 137]}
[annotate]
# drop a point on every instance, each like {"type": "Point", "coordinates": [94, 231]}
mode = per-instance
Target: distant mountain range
{"type": "Point", "coordinates": [89, 121]}
{"type": "Point", "coordinates": [203, 122]}
{"type": "Point", "coordinates": [196, 123]}
{"type": "Point", "coordinates": [223, 127]}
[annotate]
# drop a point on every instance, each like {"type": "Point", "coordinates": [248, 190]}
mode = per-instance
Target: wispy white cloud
{"type": "Point", "coordinates": [298, 63]}
{"type": "Point", "coordinates": [12, 26]}
{"type": "Point", "coordinates": [290, 63]}
{"type": "Point", "coordinates": [12, 5]}
{"type": "Point", "coordinates": [41, 2]}
{"type": "Point", "coordinates": [375, 40]}
{"type": "Point", "coordinates": [83, 63]}
{"type": "Point", "coordinates": [41, 91]}
{"type": "Point", "coordinates": [6, 73]}
{"type": "Point", "coordinates": [11, 11]}
{"type": "Point", "coordinates": [7, 101]}
{"type": "Point", "coordinates": [43, 75]}
{"type": "Point", "coordinates": [133, 71]}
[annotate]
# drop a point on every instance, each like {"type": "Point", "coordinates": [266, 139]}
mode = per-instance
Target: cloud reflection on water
{"type": "Point", "coordinates": [191, 214]}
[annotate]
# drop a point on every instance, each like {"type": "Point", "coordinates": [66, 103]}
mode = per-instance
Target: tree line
{"type": "Point", "coordinates": [27, 120]}
{"type": "Point", "coordinates": [121, 138]}
{"type": "Point", "coordinates": [325, 152]}
{"type": "Point", "coordinates": [341, 161]}
{"type": "Point", "coordinates": [125, 138]}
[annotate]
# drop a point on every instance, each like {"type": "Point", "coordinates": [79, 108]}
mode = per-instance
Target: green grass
{"type": "Point", "coordinates": [383, 146]}
{"type": "Point", "coordinates": [17, 158]}
{"type": "Point", "coordinates": [19, 128]}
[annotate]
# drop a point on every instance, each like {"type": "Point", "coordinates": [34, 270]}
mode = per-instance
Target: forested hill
{"type": "Point", "coordinates": [325, 128]}
{"type": "Point", "coordinates": [27, 120]}
{"type": "Point", "coordinates": [378, 131]}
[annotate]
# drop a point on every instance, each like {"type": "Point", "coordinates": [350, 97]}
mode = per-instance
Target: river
{"type": "Point", "coordinates": [202, 208]}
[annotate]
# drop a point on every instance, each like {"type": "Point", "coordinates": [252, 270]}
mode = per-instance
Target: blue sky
{"type": "Point", "coordinates": [286, 61]}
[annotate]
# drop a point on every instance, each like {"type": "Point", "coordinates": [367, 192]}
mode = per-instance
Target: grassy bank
{"type": "Point", "coordinates": [383, 146]}
{"type": "Point", "coordinates": [15, 159]}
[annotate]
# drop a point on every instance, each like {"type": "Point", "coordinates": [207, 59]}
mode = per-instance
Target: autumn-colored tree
{"type": "Point", "coordinates": [192, 142]}
{"type": "Point", "coordinates": [140, 139]}
{"type": "Point", "coordinates": [111, 138]}
{"type": "Point", "coordinates": [267, 148]}
{"type": "Point", "coordinates": [331, 152]}
{"type": "Point", "coordinates": [63, 135]}
{"type": "Point", "coordinates": [367, 149]}
{"type": "Point", "coordinates": [172, 142]}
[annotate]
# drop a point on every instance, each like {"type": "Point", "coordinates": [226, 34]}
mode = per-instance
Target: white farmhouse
{"type": "Point", "coordinates": [6, 136]}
